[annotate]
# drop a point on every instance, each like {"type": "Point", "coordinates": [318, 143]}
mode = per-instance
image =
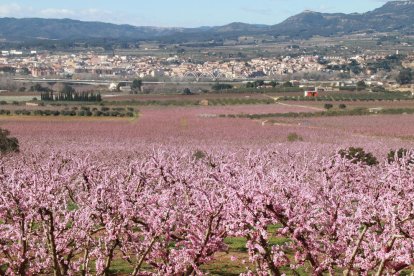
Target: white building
{"type": "Point", "coordinates": [16, 53]}
{"type": "Point", "coordinates": [125, 88]}
{"type": "Point", "coordinates": [113, 86]}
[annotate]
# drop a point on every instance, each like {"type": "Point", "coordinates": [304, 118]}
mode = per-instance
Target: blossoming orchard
{"type": "Point", "coordinates": [169, 213]}
{"type": "Point", "coordinates": [176, 193]}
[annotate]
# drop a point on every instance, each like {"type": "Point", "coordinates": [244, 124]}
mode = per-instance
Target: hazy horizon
{"type": "Point", "coordinates": [182, 13]}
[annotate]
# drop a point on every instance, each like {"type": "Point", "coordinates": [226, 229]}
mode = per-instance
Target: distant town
{"type": "Point", "coordinates": [375, 69]}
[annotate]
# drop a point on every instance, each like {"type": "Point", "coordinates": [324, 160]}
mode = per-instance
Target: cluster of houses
{"type": "Point", "coordinates": [44, 64]}
{"type": "Point", "coordinates": [90, 65]}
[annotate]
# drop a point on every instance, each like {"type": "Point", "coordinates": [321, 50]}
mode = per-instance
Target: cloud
{"type": "Point", "coordinates": [10, 9]}
{"type": "Point", "coordinates": [91, 14]}
{"type": "Point", "coordinates": [84, 14]}
{"type": "Point", "coordinates": [56, 12]}
{"type": "Point", "coordinates": [19, 11]}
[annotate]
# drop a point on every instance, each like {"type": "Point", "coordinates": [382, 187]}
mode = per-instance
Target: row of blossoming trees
{"type": "Point", "coordinates": [168, 213]}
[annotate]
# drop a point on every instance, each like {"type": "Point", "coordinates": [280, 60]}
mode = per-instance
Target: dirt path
{"type": "Point", "coordinates": [302, 106]}
{"type": "Point", "coordinates": [276, 99]}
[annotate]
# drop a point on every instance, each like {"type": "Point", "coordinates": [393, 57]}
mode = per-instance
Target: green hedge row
{"type": "Point", "coordinates": [353, 112]}
{"type": "Point", "coordinates": [354, 97]}
{"type": "Point", "coordinates": [72, 113]}
{"type": "Point", "coordinates": [223, 101]}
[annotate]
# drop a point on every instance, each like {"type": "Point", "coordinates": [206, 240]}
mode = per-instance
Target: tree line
{"type": "Point", "coordinates": [70, 94]}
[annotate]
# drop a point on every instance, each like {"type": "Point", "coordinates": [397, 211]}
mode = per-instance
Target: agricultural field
{"type": "Point", "coordinates": [181, 190]}
{"type": "Point", "coordinates": [16, 98]}
{"type": "Point", "coordinates": [177, 97]}
{"type": "Point", "coordinates": [357, 104]}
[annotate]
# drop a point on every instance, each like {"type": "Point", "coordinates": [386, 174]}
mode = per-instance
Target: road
{"type": "Point", "coordinates": [104, 82]}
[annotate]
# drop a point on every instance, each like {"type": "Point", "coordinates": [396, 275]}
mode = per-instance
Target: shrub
{"type": "Point", "coordinates": [378, 89]}
{"type": "Point", "coordinates": [5, 112]}
{"type": "Point", "coordinates": [293, 137]}
{"type": "Point", "coordinates": [395, 155]}
{"type": "Point", "coordinates": [187, 91]}
{"type": "Point", "coordinates": [135, 86]}
{"type": "Point", "coordinates": [342, 106]}
{"type": "Point", "coordinates": [361, 85]}
{"type": "Point", "coordinates": [68, 113]}
{"type": "Point", "coordinates": [328, 106]}
{"type": "Point", "coordinates": [287, 84]}
{"type": "Point", "coordinates": [358, 155]}
{"type": "Point", "coordinates": [199, 154]}
{"type": "Point", "coordinates": [8, 144]}
{"type": "Point", "coordinates": [221, 86]}
{"type": "Point", "coordinates": [405, 76]}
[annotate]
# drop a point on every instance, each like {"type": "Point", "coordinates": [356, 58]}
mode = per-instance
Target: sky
{"type": "Point", "coordinates": [179, 13]}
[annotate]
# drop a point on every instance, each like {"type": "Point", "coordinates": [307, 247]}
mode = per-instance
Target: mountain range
{"type": "Point", "coordinates": [394, 16]}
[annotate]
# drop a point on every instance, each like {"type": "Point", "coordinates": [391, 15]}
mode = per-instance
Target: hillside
{"type": "Point", "coordinates": [393, 16]}
{"type": "Point", "coordinates": [32, 28]}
